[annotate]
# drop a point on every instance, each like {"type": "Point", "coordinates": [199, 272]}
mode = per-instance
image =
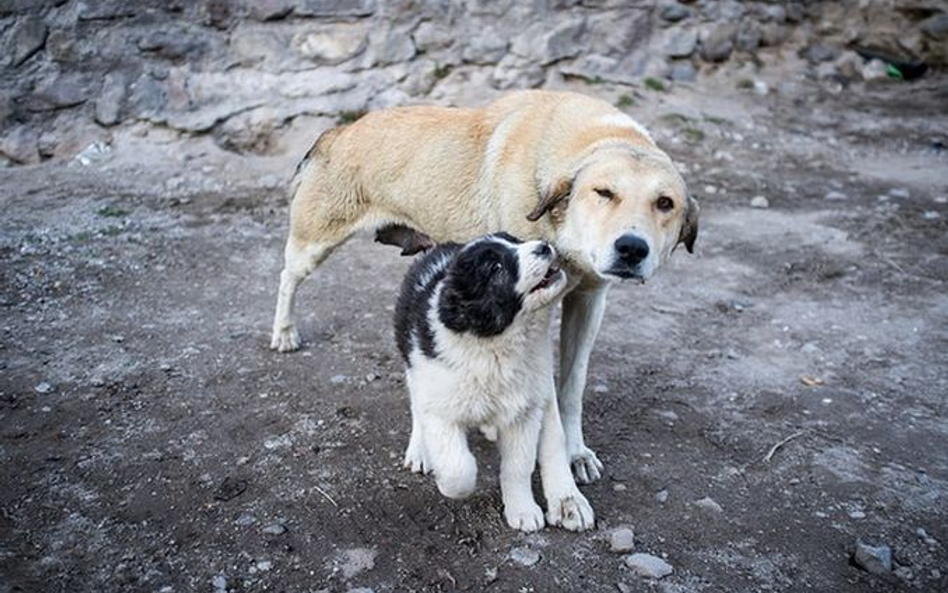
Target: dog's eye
{"type": "Point", "coordinates": [664, 203]}
{"type": "Point", "coordinates": [604, 193]}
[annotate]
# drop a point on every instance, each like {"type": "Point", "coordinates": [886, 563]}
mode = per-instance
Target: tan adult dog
{"type": "Point", "coordinates": [562, 167]}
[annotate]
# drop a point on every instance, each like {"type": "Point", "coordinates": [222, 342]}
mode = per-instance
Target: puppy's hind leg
{"type": "Point", "coordinates": [416, 458]}
{"type": "Point", "coordinates": [299, 261]}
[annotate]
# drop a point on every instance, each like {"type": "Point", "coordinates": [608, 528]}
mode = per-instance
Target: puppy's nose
{"type": "Point", "coordinates": [631, 249]}
{"type": "Point", "coordinates": [543, 250]}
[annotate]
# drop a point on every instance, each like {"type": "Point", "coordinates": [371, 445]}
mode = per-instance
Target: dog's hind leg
{"type": "Point", "coordinates": [298, 262]}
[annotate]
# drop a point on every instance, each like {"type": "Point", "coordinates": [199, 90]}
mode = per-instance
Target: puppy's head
{"type": "Point", "coordinates": [496, 278]}
{"type": "Point", "coordinates": [622, 213]}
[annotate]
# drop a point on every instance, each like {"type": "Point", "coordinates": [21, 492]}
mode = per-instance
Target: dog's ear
{"type": "Point", "coordinates": [556, 194]}
{"type": "Point", "coordinates": [689, 226]}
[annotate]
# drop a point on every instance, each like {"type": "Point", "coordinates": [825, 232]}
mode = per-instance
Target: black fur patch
{"type": "Point", "coordinates": [478, 293]}
{"type": "Point", "coordinates": [412, 328]}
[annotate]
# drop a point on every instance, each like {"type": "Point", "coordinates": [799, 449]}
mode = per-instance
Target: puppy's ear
{"type": "Point", "coordinates": [689, 226]}
{"type": "Point", "coordinates": [556, 194]}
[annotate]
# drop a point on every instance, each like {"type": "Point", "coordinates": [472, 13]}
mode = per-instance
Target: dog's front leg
{"type": "Point", "coordinates": [582, 315]}
{"type": "Point", "coordinates": [518, 456]}
{"type": "Point", "coordinates": [566, 505]}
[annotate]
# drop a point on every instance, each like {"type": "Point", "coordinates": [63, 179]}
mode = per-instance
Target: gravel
{"type": "Point", "coordinates": [622, 540]}
{"type": "Point", "coordinates": [648, 566]}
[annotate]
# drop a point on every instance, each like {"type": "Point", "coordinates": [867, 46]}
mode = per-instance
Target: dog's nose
{"type": "Point", "coordinates": [631, 249]}
{"type": "Point", "coordinates": [543, 250]}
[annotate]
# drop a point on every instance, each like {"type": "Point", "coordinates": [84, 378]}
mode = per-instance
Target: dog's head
{"type": "Point", "coordinates": [494, 279]}
{"type": "Point", "coordinates": [622, 213]}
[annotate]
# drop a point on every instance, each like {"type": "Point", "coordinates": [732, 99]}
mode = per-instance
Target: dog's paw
{"type": "Point", "coordinates": [285, 339]}
{"type": "Point", "coordinates": [586, 466]}
{"type": "Point", "coordinates": [571, 512]}
{"type": "Point", "coordinates": [527, 516]}
{"type": "Point", "coordinates": [415, 459]}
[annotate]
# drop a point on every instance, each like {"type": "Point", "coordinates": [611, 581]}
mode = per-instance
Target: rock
{"type": "Point", "coordinates": [849, 65]}
{"type": "Point", "coordinates": [875, 70]}
{"type": "Point", "coordinates": [245, 520]}
{"type": "Point", "coordinates": [835, 196]}
{"type": "Point", "coordinates": [430, 36]}
{"type": "Point", "coordinates": [857, 515]}
{"type": "Point", "coordinates": [667, 415]}
{"type": "Point", "coordinates": [899, 193]}
{"type": "Point", "coordinates": [20, 145]}
{"type": "Point", "coordinates": [622, 540]}
{"type": "Point", "coordinates": [935, 27]}
{"type": "Point", "coordinates": [389, 46]}
{"type": "Point", "coordinates": [338, 379]}
{"type": "Point", "coordinates": [648, 566]}
{"type": "Point", "coordinates": [761, 88]}
{"type": "Point", "coordinates": [333, 45]}
{"type": "Point", "coordinates": [357, 560]}
{"type": "Point", "coordinates": [544, 46]}
{"type": "Point", "coordinates": [774, 13]}
{"type": "Point", "coordinates": [275, 529]}
{"type": "Point", "coordinates": [680, 43]}
{"type": "Point", "coordinates": [524, 556]}
{"type": "Point", "coordinates": [219, 582]}
{"type": "Point", "coordinates": [661, 496]}
{"type": "Point", "coordinates": [624, 588]}
{"type": "Point", "coordinates": [874, 559]}
{"type": "Point", "coordinates": [95, 152]}
{"type": "Point", "coordinates": [264, 565]}
{"type": "Point", "coordinates": [772, 34]}
{"type": "Point", "coordinates": [487, 47]}
{"type": "Point", "coordinates": [172, 43]}
{"type": "Point", "coordinates": [709, 504]}
{"type": "Point", "coordinates": [514, 72]}
{"type": "Point", "coordinates": [28, 36]}
{"type": "Point", "coordinates": [619, 487]}
{"type": "Point", "coordinates": [334, 8]}
{"type": "Point", "coordinates": [795, 11]}
{"type": "Point", "coordinates": [674, 12]}
{"type": "Point", "coordinates": [717, 42]}
{"type": "Point", "coordinates": [269, 10]}
{"type": "Point", "coordinates": [817, 52]}
{"type": "Point", "coordinates": [682, 70]}
{"type": "Point", "coordinates": [66, 90]}
{"type": "Point", "coordinates": [246, 133]}
{"type": "Point", "coordinates": [230, 489]}
{"type": "Point", "coordinates": [749, 35]}
{"type": "Point", "coordinates": [43, 388]}
{"type": "Point", "coordinates": [759, 202]}
{"type": "Point", "coordinates": [111, 99]}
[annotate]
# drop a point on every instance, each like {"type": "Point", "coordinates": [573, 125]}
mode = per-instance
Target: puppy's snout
{"type": "Point", "coordinates": [543, 250]}
{"type": "Point", "coordinates": [631, 249]}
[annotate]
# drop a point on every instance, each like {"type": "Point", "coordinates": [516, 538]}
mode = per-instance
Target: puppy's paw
{"type": "Point", "coordinates": [285, 339]}
{"type": "Point", "coordinates": [415, 459]}
{"type": "Point", "coordinates": [586, 466]}
{"type": "Point", "coordinates": [526, 516]}
{"type": "Point", "coordinates": [571, 512]}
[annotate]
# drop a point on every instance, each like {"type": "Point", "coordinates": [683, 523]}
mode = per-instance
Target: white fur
{"type": "Point", "coordinates": [624, 121]}
{"type": "Point", "coordinates": [503, 384]}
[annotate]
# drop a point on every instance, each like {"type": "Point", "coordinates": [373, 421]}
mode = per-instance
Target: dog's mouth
{"type": "Point", "coordinates": [625, 274]}
{"type": "Point", "coordinates": [551, 276]}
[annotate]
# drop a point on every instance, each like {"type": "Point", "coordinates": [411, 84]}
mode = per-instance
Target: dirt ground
{"type": "Point", "coordinates": [151, 442]}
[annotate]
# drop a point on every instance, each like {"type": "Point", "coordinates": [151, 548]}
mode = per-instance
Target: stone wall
{"type": "Point", "coordinates": [240, 70]}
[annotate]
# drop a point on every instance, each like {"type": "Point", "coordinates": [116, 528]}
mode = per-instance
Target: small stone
{"type": "Point", "coordinates": [717, 42]}
{"type": "Point", "coordinates": [43, 388]}
{"type": "Point", "coordinates": [264, 565]}
{"type": "Point", "coordinates": [857, 515]}
{"type": "Point", "coordinates": [622, 540]}
{"type": "Point", "coordinates": [230, 489]}
{"type": "Point", "coordinates": [761, 88]}
{"type": "Point", "coordinates": [921, 533]}
{"type": "Point", "coordinates": [904, 573]}
{"type": "Point", "coordinates": [619, 488]}
{"type": "Point", "coordinates": [899, 193]}
{"type": "Point", "coordinates": [624, 588]}
{"type": "Point", "coordinates": [675, 12]}
{"type": "Point", "coordinates": [245, 519]}
{"type": "Point", "coordinates": [874, 559]}
{"type": "Point", "coordinates": [931, 215]}
{"type": "Point", "coordinates": [219, 582]}
{"type": "Point", "coordinates": [759, 202]}
{"type": "Point", "coordinates": [600, 388]}
{"type": "Point", "coordinates": [661, 496]}
{"type": "Point", "coordinates": [524, 556]}
{"type": "Point", "coordinates": [709, 504]}
{"type": "Point", "coordinates": [817, 53]}
{"type": "Point", "coordinates": [683, 71]}
{"type": "Point", "coordinates": [875, 70]}
{"type": "Point", "coordinates": [680, 43]}
{"type": "Point", "coordinates": [748, 36]}
{"type": "Point", "coordinates": [835, 196]}
{"type": "Point", "coordinates": [935, 573]}
{"type": "Point", "coordinates": [275, 529]}
{"type": "Point", "coordinates": [668, 415]}
{"type": "Point", "coordinates": [648, 566]}
{"type": "Point", "coordinates": [338, 379]}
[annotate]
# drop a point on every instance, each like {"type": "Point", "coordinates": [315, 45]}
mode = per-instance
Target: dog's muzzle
{"type": "Point", "coordinates": [630, 251]}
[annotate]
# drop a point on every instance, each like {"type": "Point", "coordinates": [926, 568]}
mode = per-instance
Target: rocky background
{"type": "Point", "coordinates": [76, 71]}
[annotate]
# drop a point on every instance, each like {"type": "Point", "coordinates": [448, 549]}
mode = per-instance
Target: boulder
{"type": "Point", "coordinates": [111, 99]}
{"type": "Point", "coordinates": [544, 45]}
{"type": "Point", "coordinates": [717, 42]}
{"type": "Point", "coordinates": [28, 37]}
{"type": "Point", "coordinates": [334, 44]}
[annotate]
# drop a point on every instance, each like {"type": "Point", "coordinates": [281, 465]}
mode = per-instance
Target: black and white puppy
{"type": "Point", "coordinates": [473, 323]}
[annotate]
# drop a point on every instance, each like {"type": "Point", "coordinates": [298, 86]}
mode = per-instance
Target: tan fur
{"type": "Point", "coordinates": [528, 164]}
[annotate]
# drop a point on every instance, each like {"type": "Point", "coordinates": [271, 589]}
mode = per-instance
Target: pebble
{"type": "Point", "coordinates": [337, 379]}
{"type": "Point", "coordinates": [904, 573]}
{"type": "Point", "coordinates": [667, 415]}
{"type": "Point", "coordinates": [875, 559]}
{"type": "Point", "coordinates": [899, 193]}
{"type": "Point", "coordinates": [931, 215]}
{"type": "Point", "coordinates": [761, 88]}
{"type": "Point", "coordinates": [524, 556]}
{"type": "Point", "coordinates": [619, 488]}
{"type": "Point", "coordinates": [857, 515]}
{"type": "Point", "coordinates": [759, 202]}
{"type": "Point", "coordinates": [43, 388]}
{"type": "Point", "coordinates": [245, 519]}
{"type": "Point", "coordinates": [264, 565]}
{"type": "Point", "coordinates": [661, 496]}
{"type": "Point", "coordinates": [219, 582]}
{"type": "Point", "coordinates": [622, 540]}
{"type": "Point", "coordinates": [709, 504]}
{"type": "Point", "coordinates": [835, 196]}
{"type": "Point", "coordinates": [648, 566]}
{"type": "Point", "coordinates": [275, 529]}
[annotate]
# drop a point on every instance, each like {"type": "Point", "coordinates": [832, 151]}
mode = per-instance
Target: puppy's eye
{"type": "Point", "coordinates": [664, 203]}
{"type": "Point", "coordinates": [604, 193]}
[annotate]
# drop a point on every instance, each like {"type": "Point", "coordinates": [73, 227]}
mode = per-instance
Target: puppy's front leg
{"type": "Point", "coordinates": [446, 448]}
{"type": "Point", "coordinates": [566, 505]}
{"type": "Point", "coordinates": [518, 457]}
{"type": "Point", "coordinates": [582, 315]}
